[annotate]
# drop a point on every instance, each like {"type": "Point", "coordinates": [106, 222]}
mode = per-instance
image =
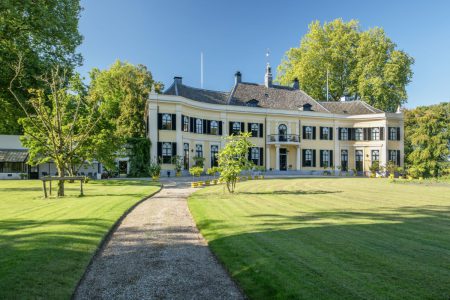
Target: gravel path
{"type": "Point", "coordinates": [158, 253]}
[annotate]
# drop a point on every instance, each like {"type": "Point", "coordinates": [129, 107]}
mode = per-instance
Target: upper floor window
{"type": "Point", "coordinates": [167, 153]}
{"type": "Point", "coordinates": [394, 133]}
{"type": "Point", "coordinates": [214, 128]}
{"type": "Point", "coordinates": [166, 121]}
{"type": "Point", "coordinates": [186, 123]}
{"type": "Point", "coordinates": [375, 134]}
{"type": "Point", "coordinates": [325, 133]}
{"type": "Point", "coordinates": [199, 126]}
{"type": "Point", "coordinates": [359, 134]}
{"type": "Point", "coordinates": [236, 129]}
{"type": "Point", "coordinates": [308, 132]}
{"type": "Point", "coordinates": [344, 134]}
{"type": "Point", "coordinates": [375, 155]}
{"type": "Point", "coordinates": [255, 129]}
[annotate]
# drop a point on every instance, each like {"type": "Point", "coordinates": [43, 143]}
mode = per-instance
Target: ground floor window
{"type": "Point", "coordinates": [325, 158]}
{"type": "Point", "coordinates": [394, 156]}
{"type": "Point", "coordinates": [12, 167]}
{"type": "Point", "coordinates": [199, 150]}
{"type": "Point", "coordinates": [255, 155]}
{"type": "Point", "coordinates": [344, 160]}
{"type": "Point", "coordinates": [375, 155]}
{"type": "Point", "coordinates": [359, 160]}
{"type": "Point", "coordinates": [214, 152]}
{"type": "Point", "coordinates": [307, 158]}
{"type": "Point", "coordinates": [167, 153]}
{"type": "Point", "coordinates": [186, 156]}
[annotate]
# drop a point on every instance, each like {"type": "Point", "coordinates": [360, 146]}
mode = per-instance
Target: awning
{"type": "Point", "coordinates": [13, 155]}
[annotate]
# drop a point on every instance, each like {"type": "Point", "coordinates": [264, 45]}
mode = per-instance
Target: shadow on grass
{"type": "Point", "coordinates": [336, 255]}
{"type": "Point", "coordinates": [293, 192]}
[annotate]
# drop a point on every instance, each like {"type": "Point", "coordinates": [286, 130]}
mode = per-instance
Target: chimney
{"type": "Point", "coordinates": [296, 85]}
{"type": "Point", "coordinates": [178, 80]}
{"type": "Point", "coordinates": [237, 77]}
{"type": "Point", "coordinates": [268, 77]}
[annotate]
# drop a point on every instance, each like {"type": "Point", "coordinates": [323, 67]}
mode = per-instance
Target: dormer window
{"type": "Point", "coordinates": [252, 103]}
{"type": "Point", "coordinates": [306, 107]}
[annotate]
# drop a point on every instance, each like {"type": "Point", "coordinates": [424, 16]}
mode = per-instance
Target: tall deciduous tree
{"type": "Point", "coordinates": [45, 33]}
{"type": "Point", "coordinates": [427, 140]}
{"type": "Point", "coordinates": [360, 64]}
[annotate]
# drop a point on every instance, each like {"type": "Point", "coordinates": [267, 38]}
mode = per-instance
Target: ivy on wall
{"type": "Point", "coordinates": [139, 154]}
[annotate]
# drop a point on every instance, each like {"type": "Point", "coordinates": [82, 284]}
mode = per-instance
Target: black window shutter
{"type": "Point", "coordinates": [261, 156]}
{"type": "Point", "coordinates": [208, 127]}
{"type": "Point", "coordinates": [249, 154]}
{"type": "Point", "coordinates": [174, 149]}
{"type": "Point", "coordinates": [314, 132]}
{"type": "Point", "coordinates": [303, 157]}
{"type": "Point", "coordinates": [331, 133]}
{"type": "Point", "coordinates": [182, 123]}
{"type": "Point", "coordinates": [331, 158]}
{"type": "Point", "coordinates": [398, 158]}
{"type": "Point", "coordinates": [321, 132]}
{"type": "Point", "coordinates": [249, 127]}
{"type": "Point", "coordinates": [192, 124]}
{"type": "Point", "coordinates": [398, 133]}
{"type": "Point", "coordinates": [304, 132]}
{"type": "Point", "coordinates": [369, 134]}
{"type": "Point", "coordinates": [314, 158]}
{"type": "Point", "coordinates": [174, 121]}
{"type": "Point", "coordinates": [365, 134]}
{"type": "Point", "coordinates": [321, 158]}
{"type": "Point", "coordinates": [230, 130]}
{"type": "Point", "coordinates": [159, 121]}
{"type": "Point", "coordinates": [242, 126]}
{"type": "Point", "coordinates": [159, 149]}
{"type": "Point", "coordinates": [261, 130]}
{"type": "Point", "coordinates": [339, 133]}
{"type": "Point", "coordinates": [351, 132]}
{"type": "Point", "coordinates": [389, 133]}
{"type": "Point", "coordinates": [381, 133]}
{"type": "Point", "coordinates": [220, 127]}
{"type": "Point", "coordinates": [205, 126]}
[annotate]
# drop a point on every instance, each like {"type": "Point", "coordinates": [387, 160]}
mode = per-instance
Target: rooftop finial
{"type": "Point", "coordinates": [268, 76]}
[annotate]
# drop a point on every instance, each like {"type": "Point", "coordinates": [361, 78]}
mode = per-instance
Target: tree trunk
{"type": "Point", "coordinates": [61, 173]}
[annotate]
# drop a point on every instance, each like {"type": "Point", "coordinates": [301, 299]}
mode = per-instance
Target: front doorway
{"type": "Point", "coordinates": [123, 167]}
{"type": "Point", "coordinates": [283, 159]}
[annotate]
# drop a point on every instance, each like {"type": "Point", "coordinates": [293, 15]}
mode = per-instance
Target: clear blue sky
{"type": "Point", "coordinates": [168, 36]}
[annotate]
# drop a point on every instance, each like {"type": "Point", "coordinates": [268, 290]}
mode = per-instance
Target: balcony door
{"type": "Point", "coordinates": [283, 159]}
{"type": "Point", "coordinates": [282, 133]}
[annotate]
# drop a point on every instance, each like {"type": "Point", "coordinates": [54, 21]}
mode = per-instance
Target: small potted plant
{"type": "Point", "coordinates": [154, 170]}
{"type": "Point", "coordinates": [177, 161]}
{"type": "Point", "coordinates": [196, 172]}
{"type": "Point", "coordinates": [374, 168]}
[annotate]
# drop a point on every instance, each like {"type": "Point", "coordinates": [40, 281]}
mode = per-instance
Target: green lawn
{"type": "Point", "coordinates": [342, 238]}
{"type": "Point", "coordinates": [46, 244]}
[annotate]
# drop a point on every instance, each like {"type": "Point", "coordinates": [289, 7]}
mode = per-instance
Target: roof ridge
{"type": "Point", "coordinates": [373, 109]}
{"type": "Point", "coordinates": [201, 89]}
{"type": "Point", "coordinates": [303, 92]}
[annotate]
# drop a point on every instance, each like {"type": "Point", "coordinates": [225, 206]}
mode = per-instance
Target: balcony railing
{"type": "Point", "coordinates": [283, 138]}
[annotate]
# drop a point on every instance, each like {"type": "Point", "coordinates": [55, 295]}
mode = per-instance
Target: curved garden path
{"type": "Point", "coordinates": [157, 252]}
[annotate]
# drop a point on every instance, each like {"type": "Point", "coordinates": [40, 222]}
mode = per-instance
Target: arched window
{"type": "Point", "coordinates": [308, 158]}
{"type": "Point", "coordinates": [375, 155]}
{"type": "Point", "coordinates": [166, 121]}
{"type": "Point", "coordinates": [344, 134]}
{"type": "Point", "coordinates": [392, 133]}
{"type": "Point", "coordinates": [214, 128]}
{"type": "Point", "coordinates": [199, 126]}
{"type": "Point", "coordinates": [199, 150]}
{"type": "Point", "coordinates": [344, 160]}
{"type": "Point", "coordinates": [167, 153]}
{"type": "Point", "coordinates": [375, 134]}
{"type": "Point", "coordinates": [325, 158]}
{"type": "Point", "coordinates": [254, 155]}
{"type": "Point", "coordinates": [282, 132]}
{"type": "Point", "coordinates": [236, 128]}
{"type": "Point", "coordinates": [359, 134]}
{"type": "Point", "coordinates": [255, 129]}
{"type": "Point", "coordinates": [186, 123]}
{"type": "Point", "coordinates": [325, 133]}
{"type": "Point", "coordinates": [186, 156]}
{"type": "Point", "coordinates": [308, 133]}
{"type": "Point", "coordinates": [214, 152]}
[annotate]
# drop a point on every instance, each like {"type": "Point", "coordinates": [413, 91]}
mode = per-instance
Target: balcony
{"type": "Point", "coordinates": [292, 139]}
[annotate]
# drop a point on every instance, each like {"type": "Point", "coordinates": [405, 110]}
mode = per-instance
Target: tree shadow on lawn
{"type": "Point", "coordinates": [292, 192]}
{"type": "Point", "coordinates": [400, 255]}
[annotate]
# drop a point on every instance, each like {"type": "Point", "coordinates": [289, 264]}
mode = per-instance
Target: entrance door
{"type": "Point", "coordinates": [123, 166]}
{"type": "Point", "coordinates": [283, 159]}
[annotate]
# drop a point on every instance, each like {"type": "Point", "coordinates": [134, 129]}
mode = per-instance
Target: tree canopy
{"type": "Point", "coordinates": [45, 33]}
{"type": "Point", "coordinates": [361, 64]}
{"type": "Point", "coordinates": [427, 140]}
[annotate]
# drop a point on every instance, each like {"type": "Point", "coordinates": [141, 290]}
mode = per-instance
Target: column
{"type": "Point", "coordinates": [277, 157]}
{"type": "Point", "coordinates": [298, 158]}
{"type": "Point", "coordinates": [267, 158]}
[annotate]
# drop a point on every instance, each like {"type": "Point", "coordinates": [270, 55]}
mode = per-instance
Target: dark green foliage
{"type": "Point", "coordinates": [139, 154]}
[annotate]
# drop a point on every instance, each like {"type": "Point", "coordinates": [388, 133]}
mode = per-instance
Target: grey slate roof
{"type": "Point", "coordinates": [13, 155]}
{"type": "Point", "coordinates": [275, 97]}
{"type": "Point", "coordinates": [356, 107]}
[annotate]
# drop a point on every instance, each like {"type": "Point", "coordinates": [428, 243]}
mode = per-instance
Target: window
{"type": "Point", "coordinates": [282, 132]}
{"type": "Point", "coordinates": [252, 103]}
{"type": "Point", "coordinates": [375, 135]}
{"type": "Point", "coordinates": [199, 150]}
{"type": "Point", "coordinates": [358, 134]}
{"type": "Point", "coordinates": [214, 152]}
{"type": "Point", "coordinates": [255, 129]}
{"type": "Point", "coordinates": [394, 156]}
{"type": "Point", "coordinates": [186, 123]}
{"type": "Point", "coordinates": [344, 134]}
{"type": "Point", "coordinates": [166, 122]}
{"type": "Point", "coordinates": [325, 133]}
{"type": "Point", "coordinates": [393, 133]}
{"type": "Point", "coordinates": [186, 156]}
{"type": "Point", "coordinates": [167, 153]}
{"type": "Point", "coordinates": [255, 155]}
{"type": "Point", "coordinates": [359, 160]}
{"type": "Point", "coordinates": [214, 128]}
{"type": "Point", "coordinates": [344, 160]}
{"type": "Point", "coordinates": [236, 129]}
{"type": "Point", "coordinates": [12, 167]}
{"type": "Point", "coordinates": [308, 133]}
{"type": "Point", "coordinates": [375, 155]}
{"type": "Point", "coordinates": [325, 158]}
{"type": "Point", "coordinates": [308, 158]}
{"type": "Point", "coordinates": [199, 126]}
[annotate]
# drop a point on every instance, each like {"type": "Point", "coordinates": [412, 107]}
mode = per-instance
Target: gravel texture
{"type": "Point", "coordinates": [158, 253]}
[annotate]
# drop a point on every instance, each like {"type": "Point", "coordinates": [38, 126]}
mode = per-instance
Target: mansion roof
{"type": "Point", "coordinates": [273, 97]}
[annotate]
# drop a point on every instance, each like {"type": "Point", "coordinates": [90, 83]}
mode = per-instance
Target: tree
{"type": "Point", "coordinates": [360, 64]}
{"type": "Point", "coordinates": [427, 140]}
{"type": "Point", "coordinates": [233, 159]}
{"type": "Point", "coordinates": [44, 34]}
{"type": "Point", "coordinates": [60, 123]}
